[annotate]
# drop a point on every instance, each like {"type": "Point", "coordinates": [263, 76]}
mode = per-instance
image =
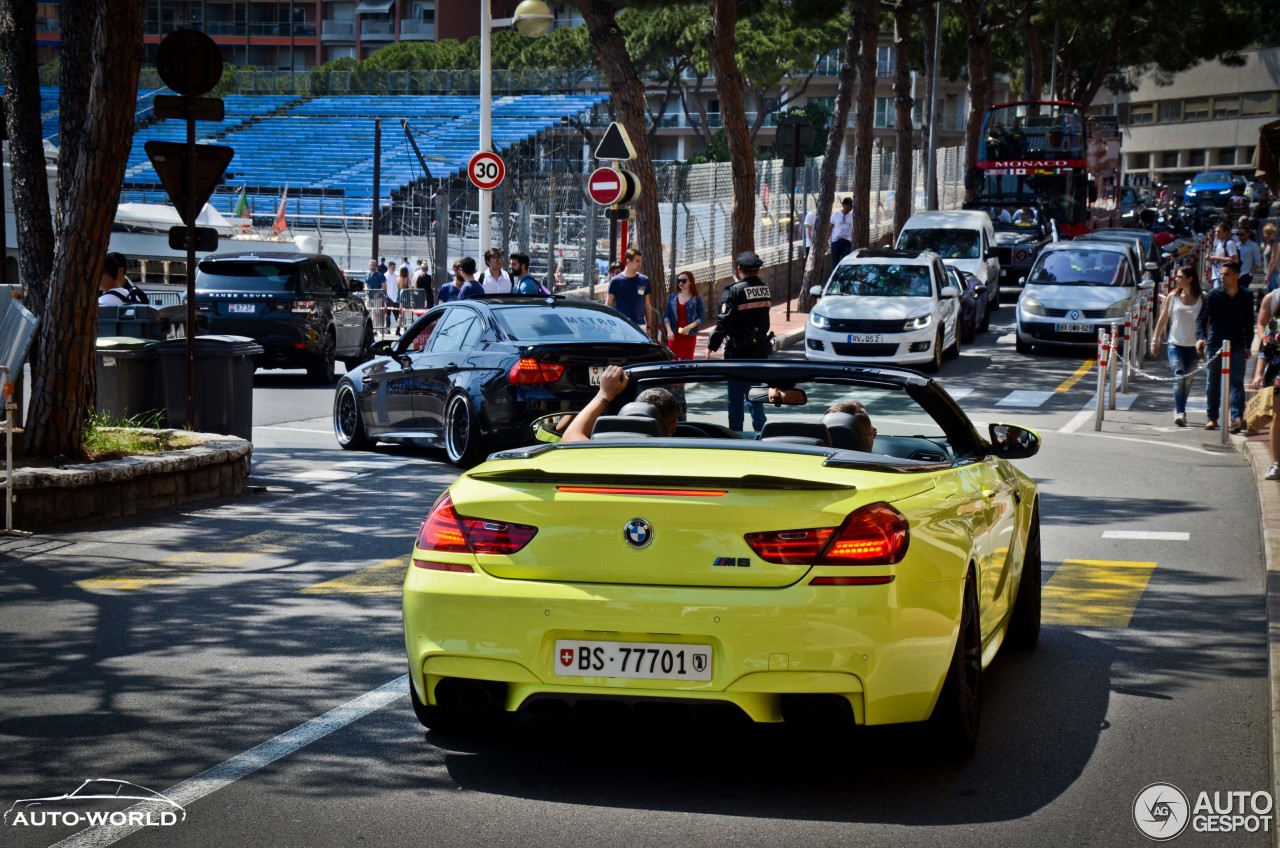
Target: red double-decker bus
{"type": "Point", "coordinates": [1036, 148]}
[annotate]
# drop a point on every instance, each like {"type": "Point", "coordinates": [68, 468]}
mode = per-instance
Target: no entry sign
{"type": "Point", "coordinates": [486, 170]}
{"type": "Point", "coordinates": [612, 187]}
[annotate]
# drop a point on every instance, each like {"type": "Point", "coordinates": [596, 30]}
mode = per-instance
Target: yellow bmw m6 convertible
{"type": "Point", "coordinates": [860, 558]}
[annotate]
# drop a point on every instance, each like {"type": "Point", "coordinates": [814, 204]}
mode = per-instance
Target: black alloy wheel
{"type": "Point", "coordinates": [348, 423]}
{"type": "Point", "coordinates": [462, 441]}
{"type": "Point", "coordinates": [957, 714]}
{"type": "Point", "coordinates": [1024, 623]}
{"type": "Point", "coordinates": [321, 370]}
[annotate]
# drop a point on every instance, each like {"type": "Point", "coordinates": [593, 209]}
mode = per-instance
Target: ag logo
{"type": "Point", "coordinates": [638, 533]}
{"type": "Point", "coordinates": [1074, 315]}
{"type": "Point", "coordinates": [1161, 811]}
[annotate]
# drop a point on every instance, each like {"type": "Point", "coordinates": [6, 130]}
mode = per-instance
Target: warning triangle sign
{"type": "Point", "coordinates": [170, 160]}
{"type": "Point", "coordinates": [616, 144]}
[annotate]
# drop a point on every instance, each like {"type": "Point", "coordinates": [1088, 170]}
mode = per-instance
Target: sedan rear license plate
{"type": "Point", "coordinates": [1074, 328]}
{"type": "Point", "coordinates": [242, 307]}
{"type": "Point", "coordinates": [643, 660]}
{"type": "Point", "coordinates": [594, 373]}
{"type": "Point", "coordinates": [864, 339]}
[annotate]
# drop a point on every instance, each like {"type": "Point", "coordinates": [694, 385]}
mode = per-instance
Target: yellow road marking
{"type": "Point", "coordinates": [228, 556]}
{"type": "Point", "coordinates": [1080, 374]}
{"type": "Point", "coordinates": [385, 578]}
{"type": "Point", "coordinates": [1095, 593]}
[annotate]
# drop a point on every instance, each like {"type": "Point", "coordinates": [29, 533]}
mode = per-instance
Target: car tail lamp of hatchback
{"type": "Point", "coordinates": [529, 371]}
{"type": "Point", "coordinates": [874, 535]}
{"type": "Point", "coordinates": [446, 531]}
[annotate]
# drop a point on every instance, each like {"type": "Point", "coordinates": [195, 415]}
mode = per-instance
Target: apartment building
{"type": "Point", "coordinates": [1204, 118]}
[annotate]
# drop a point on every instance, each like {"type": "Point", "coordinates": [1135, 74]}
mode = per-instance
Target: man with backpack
{"type": "Point", "coordinates": [525, 283]}
{"type": "Point", "coordinates": [116, 289]}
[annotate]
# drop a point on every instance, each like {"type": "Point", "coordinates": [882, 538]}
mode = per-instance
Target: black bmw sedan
{"type": "Point", "coordinates": [471, 376]}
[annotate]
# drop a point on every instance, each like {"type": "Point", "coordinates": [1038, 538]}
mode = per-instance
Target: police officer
{"type": "Point", "coordinates": [744, 321]}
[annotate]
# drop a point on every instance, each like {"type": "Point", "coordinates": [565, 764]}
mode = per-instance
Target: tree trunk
{"type": "Point", "coordinates": [742, 158]}
{"type": "Point", "coordinates": [864, 111]}
{"type": "Point", "coordinates": [929, 24]}
{"type": "Point", "coordinates": [627, 90]}
{"type": "Point", "coordinates": [1032, 62]}
{"type": "Point", "coordinates": [1090, 81]}
{"type": "Point", "coordinates": [63, 384]}
{"type": "Point", "coordinates": [903, 182]}
{"type": "Point", "coordinates": [30, 183]}
{"type": "Point", "coordinates": [979, 51]}
{"type": "Point", "coordinates": [845, 81]}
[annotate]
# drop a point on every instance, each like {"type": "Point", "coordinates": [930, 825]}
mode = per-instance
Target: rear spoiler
{"type": "Point", "coordinates": [665, 481]}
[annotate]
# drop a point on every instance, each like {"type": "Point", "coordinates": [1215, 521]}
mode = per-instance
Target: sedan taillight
{"type": "Point", "coordinates": [446, 531]}
{"type": "Point", "coordinates": [530, 372]}
{"type": "Point", "coordinates": [874, 535]}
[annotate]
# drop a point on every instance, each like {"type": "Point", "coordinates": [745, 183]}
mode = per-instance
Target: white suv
{"type": "Point", "coordinates": [889, 306]}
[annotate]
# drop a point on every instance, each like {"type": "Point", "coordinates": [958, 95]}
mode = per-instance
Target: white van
{"type": "Point", "coordinates": [963, 238]}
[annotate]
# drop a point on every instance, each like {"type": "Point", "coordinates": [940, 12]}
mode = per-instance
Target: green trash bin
{"type": "Point", "coordinates": [127, 380]}
{"type": "Point", "coordinates": [224, 383]}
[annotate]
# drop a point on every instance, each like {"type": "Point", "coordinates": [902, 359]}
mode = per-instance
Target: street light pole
{"type": "Point", "coordinates": [486, 116]}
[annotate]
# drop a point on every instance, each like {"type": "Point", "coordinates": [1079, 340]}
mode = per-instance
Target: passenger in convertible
{"type": "Point", "coordinates": [612, 383]}
{"type": "Point", "coordinates": [850, 419]}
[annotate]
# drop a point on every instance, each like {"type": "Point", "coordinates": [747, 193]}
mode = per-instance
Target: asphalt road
{"type": "Point", "coordinates": [245, 638]}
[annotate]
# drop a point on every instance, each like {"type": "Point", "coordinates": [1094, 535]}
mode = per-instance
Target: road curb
{"type": "Point", "coordinates": [1269, 510]}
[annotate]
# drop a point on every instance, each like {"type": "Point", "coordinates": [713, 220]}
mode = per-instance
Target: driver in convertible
{"type": "Point", "coordinates": [612, 382]}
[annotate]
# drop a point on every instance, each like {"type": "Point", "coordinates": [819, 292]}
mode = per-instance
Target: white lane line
{"type": "Point", "coordinates": [959, 391]}
{"type": "Point", "coordinates": [327, 475]}
{"type": "Point", "coordinates": [1147, 535]}
{"type": "Point", "coordinates": [1077, 422]}
{"type": "Point", "coordinates": [1123, 401]}
{"type": "Point", "coordinates": [1024, 398]}
{"type": "Point", "coordinates": [241, 765]}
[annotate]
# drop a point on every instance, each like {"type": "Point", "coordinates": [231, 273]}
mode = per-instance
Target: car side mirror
{"type": "Point", "coordinates": [1009, 441]}
{"type": "Point", "coordinates": [1022, 281]}
{"type": "Point", "coordinates": [1146, 285]}
{"type": "Point", "coordinates": [1187, 183]}
{"type": "Point", "coordinates": [550, 428]}
{"type": "Point", "coordinates": [949, 292]}
{"type": "Point", "coordinates": [355, 285]}
{"type": "Point", "coordinates": [381, 348]}
{"type": "Point", "coordinates": [815, 291]}
{"type": "Point", "coordinates": [1151, 266]}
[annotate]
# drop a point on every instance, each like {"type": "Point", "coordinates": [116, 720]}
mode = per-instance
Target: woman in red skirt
{"type": "Point", "coordinates": [685, 314]}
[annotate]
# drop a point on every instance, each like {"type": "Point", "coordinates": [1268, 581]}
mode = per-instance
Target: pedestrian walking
{"type": "Point", "coordinates": [374, 280]}
{"type": "Point", "coordinates": [1266, 372]}
{"type": "Point", "coordinates": [1270, 258]}
{"type": "Point", "coordinates": [468, 287]}
{"type": "Point", "coordinates": [631, 293]}
{"type": "Point", "coordinates": [743, 320]}
{"type": "Point", "coordinates": [494, 278]}
{"type": "Point", "coordinates": [1227, 314]}
{"type": "Point", "coordinates": [1224, 251]}
{"type": "Point", "coordinates": [525, 282]}
{"type": "Point", "coordinates": [1250, 254]}
{"type": "Point", "coordinates": [1178, 315]}
{"type": "Point", "coordinates": [394, 293]}
{"type": "Point", "coordinates": [842, 231]}
{"type": "Point", "coordinates": [685, 314]}
{"type": "Point", "coordinates": [450, 289]}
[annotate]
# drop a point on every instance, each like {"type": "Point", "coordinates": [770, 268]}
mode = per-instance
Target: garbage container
{"type": "Point", "coordinates": [224, 383]}
{"type": "Point", "coordinates": [127, 380]}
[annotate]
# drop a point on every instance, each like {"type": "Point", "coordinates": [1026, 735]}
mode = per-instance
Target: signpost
{"type": "Point", "coordinates": [486, 170]}
{"type": "Point", "coordinates": [614, 187]}
{"type": "Point", "coordinates": [794, 138]}
{"type": "Point", "coordinates": [190, 63]}
{"type": "Point", "coordinates": [605, 186]}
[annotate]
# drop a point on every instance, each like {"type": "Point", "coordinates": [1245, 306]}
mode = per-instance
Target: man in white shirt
{"type": "Point", "coordinates": [1250, 253]}
{"type": "Point", "coordinates": [842, 231]}
{"type": "Point", "coordinates": [810, 221]}
{"type": "Point", "coordinates": [1224, 251]}
{"type": "Point", "coordinates": [495, 279]}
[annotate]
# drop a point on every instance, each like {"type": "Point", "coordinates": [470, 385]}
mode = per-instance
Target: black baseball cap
{"type": "Point", "coordinates": [748, 260]}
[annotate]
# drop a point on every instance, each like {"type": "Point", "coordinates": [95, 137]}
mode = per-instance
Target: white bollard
{"type": "Point", "coordinates": [1113, 350]}
{"type": "Point", "coordinates": [1224, 405]}
{"type": "Point", "coordinates": [1128, 354]}
{"type": "Point", "coordinates": [1098, 414]}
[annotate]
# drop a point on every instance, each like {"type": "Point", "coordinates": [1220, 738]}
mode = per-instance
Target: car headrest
{"type": "Point", "coordinates": [845, 431]}
{"type": "Point", "coordinates": [639, 409]}
{"type": "Point", "coordinates": [625, 427]}
{"type": "Point", "coordinates": [796, 433]}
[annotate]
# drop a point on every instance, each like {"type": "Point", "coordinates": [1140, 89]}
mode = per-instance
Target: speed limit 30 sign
{"type": "Point", "coordinates": [486, 170]}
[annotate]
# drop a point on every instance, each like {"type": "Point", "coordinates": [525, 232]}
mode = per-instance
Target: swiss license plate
{"type": "Point", "coordinates": [1074, 328]}
{"type": "Point", "coordinates": [595, 373]}
{"type": "Point", "coordinates": [242, 307]}
{"type": "Point", "coordinates": [864, 339]}
{"type": "Point", "coordinates": [643, 660]}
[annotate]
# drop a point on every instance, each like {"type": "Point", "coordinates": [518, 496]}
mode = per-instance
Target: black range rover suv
{"type": "Point", "coordinates": [298, 306]}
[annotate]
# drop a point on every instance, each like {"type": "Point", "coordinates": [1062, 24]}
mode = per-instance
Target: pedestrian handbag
{"type": "Point", "coordinates": [1259, 411]}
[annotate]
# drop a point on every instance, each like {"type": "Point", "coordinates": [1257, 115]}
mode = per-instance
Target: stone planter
{"type": "Point", "coordinates": [216, 467]}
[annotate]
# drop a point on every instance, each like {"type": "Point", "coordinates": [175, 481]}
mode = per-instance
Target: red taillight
{"type": "Point", "coordinates": [443, 566]}
{"type": "Point", "coordinates": [790, 547]}
{"type": "Point", "coordinates": [445, 530]}
{"type": "Point", "coordinates": [530, 372]}
{"type": "Point", "coordinates": [873, 535]}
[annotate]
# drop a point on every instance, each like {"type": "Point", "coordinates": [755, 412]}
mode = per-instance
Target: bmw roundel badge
{"type": "Point", "coordinates": [638, 533]}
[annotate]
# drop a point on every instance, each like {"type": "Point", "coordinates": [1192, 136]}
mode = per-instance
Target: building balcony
{"type": "Point", "coordinates": [282, 29]}
{"type": "Point", "coordinates": [415, 30]}
{"type": "Point", "coordinates": [337, 30]}
{"type": "Point", "coordinates": [224, 28]}
{"type": "Point", "coordinates": [377, 30]}
{"type": "Point", "coordinates": [46, 26]}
